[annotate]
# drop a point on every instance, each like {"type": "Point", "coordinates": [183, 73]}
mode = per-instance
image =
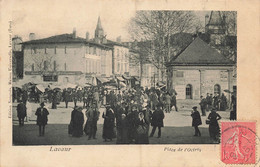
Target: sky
{"type": "Point", "coordinates": [53, 17]}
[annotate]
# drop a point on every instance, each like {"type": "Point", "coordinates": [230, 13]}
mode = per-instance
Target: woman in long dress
{"type": "Point", "coordinates": [213, 125]}
{"type": "Point", "coordinates": [77, 120]}
{"type": "Point", "coordinates": [109, 124]}
{"type": "Point", "coordinates": [141, 130]}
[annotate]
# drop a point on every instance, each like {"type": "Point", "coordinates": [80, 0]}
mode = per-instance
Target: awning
{"type": "Point", "coordinates": [102, 80]}
{"type": "Point", "coordinates": [40, 88]}
{"type": "Point", "coordinates": [70, 85]}
{"type": "Point", "coordinates": [120, 79]}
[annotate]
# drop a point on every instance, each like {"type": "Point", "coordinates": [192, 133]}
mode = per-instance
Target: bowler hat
{"type": "Point", "coordinates": [213, 109]}
{"type": "Point", "coordinates": [195, 107]}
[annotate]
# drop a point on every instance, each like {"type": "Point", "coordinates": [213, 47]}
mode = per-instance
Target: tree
{"type": "Point", "coordinates": [154, 31]}
{"type": "Point", "coordinates": [41, 63]}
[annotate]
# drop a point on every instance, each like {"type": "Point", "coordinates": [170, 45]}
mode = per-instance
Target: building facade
{"type": "Point", "coordinates": [201, 69]}
{"type": "Point", "coordinates": [65, 58]}
{"type": "Point", "coordinates": [17, 58]}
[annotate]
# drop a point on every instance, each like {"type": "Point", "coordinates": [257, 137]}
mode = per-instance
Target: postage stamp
{"type": "Point", "coordinates": [238, 142]}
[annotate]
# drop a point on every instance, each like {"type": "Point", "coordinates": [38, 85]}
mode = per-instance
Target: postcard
{"type": "Point", "coordinates": [130, 83]}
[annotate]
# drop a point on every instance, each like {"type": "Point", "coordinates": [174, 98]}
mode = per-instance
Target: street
{"type": "Point", "coordinates": [177, 128]}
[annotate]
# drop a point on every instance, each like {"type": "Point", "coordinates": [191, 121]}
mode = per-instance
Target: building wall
{"type": "Point", "coordinates": [134, 64]}
{"type": "Point", "coordinates": [121, 60]}
{"type": "Point", "coordinates": [202, 80]}
{"type": "Point", "coordinates": [69, 58]}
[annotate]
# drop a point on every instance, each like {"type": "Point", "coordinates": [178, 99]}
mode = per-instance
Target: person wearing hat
{"type": "Point", "coordinates": [109, 124]}
{"type": "Point", "coordinates": [21, 113]}
{"type": "Point", "coordinates": [196, 120]}
{"type": "Point", "coordinates": [132, 118]}
{"type": "Point", "coordinates": [213, 125]}
{"type": "Point", "coordinates": [157, 120]}
{"type": "Point", "coordinates": [42, 118]}
{"type": "Point", "coordinates": [92, 114]}
{"type": "Point", "coordinates": [203, 105]}
{"type": "Point", "coordinates": [77, 121]}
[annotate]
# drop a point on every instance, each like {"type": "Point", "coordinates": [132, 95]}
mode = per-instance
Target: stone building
{"type": "Point", "coordinates": [200, 69]}
{"type": "Point", "coordinates": [17, 58]}
{"type": "Point", "coordinates": [66, 58]}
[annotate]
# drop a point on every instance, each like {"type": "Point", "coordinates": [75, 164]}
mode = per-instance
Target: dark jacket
{"type": "Point", "coordinates": [21, 110]}
{"type": "Point", "coordinates": [42, 116]}
{"type": "Point", "coordinates": [203, 103]}
{"type": "Point", "coordinates": [77, 121]}
{"type": "Point", "coordinates": [109, 124]}
{"type": "Point", "coordinates": [157, 118]}
{"type": "Point", "coordinates": [196, 119]}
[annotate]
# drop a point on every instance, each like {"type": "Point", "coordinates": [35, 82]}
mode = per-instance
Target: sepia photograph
{"type": "Point", "coordinates": [168, 79]}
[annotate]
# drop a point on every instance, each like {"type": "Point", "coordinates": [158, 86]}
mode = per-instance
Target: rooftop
{"type": "Point", "coordinates": [63, 38]}
{"type": "Point", "coordinates": [199, 52]}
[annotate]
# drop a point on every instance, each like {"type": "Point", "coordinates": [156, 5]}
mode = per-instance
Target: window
{"type": "Point", "coordinates": [94, 50]}
{"type": "Point", "coordinates": [234, 88]}
{"type": "Point", "coordinates": [32, 67]}
{"type": "Point", "coordinates": [87, 49]}
{"type": "Point", "coordinates": [52, 78]}
{"type": "Point", "coordinates": [91, 50]}
{"type": "Point", "coordinates": [217, 89]}
{"type": "Point", "coordinates": [55, 50]}
{"type": "Point", "coordinates": [65, 67]}
{"type": "Point", "coordinates": [118, 67]}
{"type": "Point", "coordinates": [34, 50]}
{"type": "Point", "coordinates": [189, 91]}
{"type": "Point", "coordinates": [45, 65]}
{"type": "Point", "coordinates": [217, 41]}
{"type": "Point", "coordinates": [54, 66]}
{"type": "Point", "coordinates": [180, 74]}
{"type": "Point", "coordinates": [117, 54]}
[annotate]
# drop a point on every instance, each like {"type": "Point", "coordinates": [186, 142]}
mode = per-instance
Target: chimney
{"type": "Point", "coordinates": [74, 35]}
{"type": "Point", "coordinates": [32, 36]}
{"type": "Point", "coordinates": [206, 21]}
{"type": "Point", "coordinates": [118, 39]}
{"type": "Point", "coordinates": [87, 36]}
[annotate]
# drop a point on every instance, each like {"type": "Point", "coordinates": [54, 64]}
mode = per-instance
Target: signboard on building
{"type": "Point", "coordinates": [223, 75]}
{"type": "Point", "coordinates": [180, 89]}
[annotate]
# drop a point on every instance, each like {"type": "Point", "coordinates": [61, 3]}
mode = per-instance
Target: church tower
{"type": "Point", "coordinates": [216, 29]}
{"type": "Point", "coordinates": [99, 32]}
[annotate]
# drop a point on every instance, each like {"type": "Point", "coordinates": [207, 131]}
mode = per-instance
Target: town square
{"type": "Point", "coordinates": [172, 82]}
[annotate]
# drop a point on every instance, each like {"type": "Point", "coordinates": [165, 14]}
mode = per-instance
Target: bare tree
{"type": "Point", "coordinates": [41, 63]}
{"type": "Point", "coordinates": [155, 28]}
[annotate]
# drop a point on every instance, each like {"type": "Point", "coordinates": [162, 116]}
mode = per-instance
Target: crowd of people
{"type": "Point", "coordinates": [128, 113]}
{"type": "Point", "coordinates": [127, 117]}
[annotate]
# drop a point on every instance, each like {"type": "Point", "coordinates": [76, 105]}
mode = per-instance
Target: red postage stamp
{"type": "Point", "coordinates": [238, 142]}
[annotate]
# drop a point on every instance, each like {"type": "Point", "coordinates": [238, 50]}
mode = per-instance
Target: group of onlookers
{"type": "Point", "coordinates": [128, 114]}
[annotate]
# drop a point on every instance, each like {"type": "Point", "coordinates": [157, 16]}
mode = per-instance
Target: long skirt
{"type": "Point", "coordinates": [77, 130]}
{"type": "Point", "coordinates": [214, 131]}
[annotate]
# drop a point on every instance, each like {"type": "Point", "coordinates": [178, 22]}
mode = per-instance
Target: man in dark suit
{"type": "Point", "coordinates": [203, 105]}
{"type": "Point", "coordinates": [21, 113]}
{"type": "Point", "coordinates": [42, 118]}
{"type": "Point", "coordinates": [157, 120]}
{"type": "Point", "coordinates": [196, 120]}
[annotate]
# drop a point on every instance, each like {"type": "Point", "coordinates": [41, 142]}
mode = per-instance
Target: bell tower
{"type": "Point", "coordinates": [216, 29]}
{"type": "Point", "coordinates": [99, 32]}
